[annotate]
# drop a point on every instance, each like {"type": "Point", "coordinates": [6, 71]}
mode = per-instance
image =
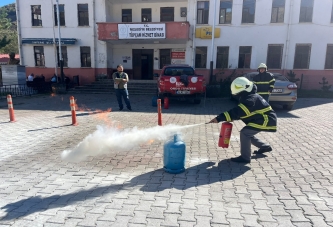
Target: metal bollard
{"type": "Point", "coordinates": [72, 104]}
{"type": "Point", "coordinates": [159, 112]}
{"type": "Point", "coordinates": [10, 108]}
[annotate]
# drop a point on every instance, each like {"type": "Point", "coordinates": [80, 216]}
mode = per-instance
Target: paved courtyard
{"type": "Point", "coordinates": [291, 186]}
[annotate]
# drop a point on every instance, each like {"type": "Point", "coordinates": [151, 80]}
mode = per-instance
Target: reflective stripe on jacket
{"type": "Point", "coordinates": [265, 83]}
{"type": "Point", "coordinates": [254, 111]}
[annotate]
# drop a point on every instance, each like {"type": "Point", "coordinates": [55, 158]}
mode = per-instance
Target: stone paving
{"type": "Point", "coordinates": [291, 186]}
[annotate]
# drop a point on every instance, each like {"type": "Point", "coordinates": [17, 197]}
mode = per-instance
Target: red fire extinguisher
{"type": "Point", "coordinates": [225, 134]}
{"type": "Point", "coordinates": [166, 103]}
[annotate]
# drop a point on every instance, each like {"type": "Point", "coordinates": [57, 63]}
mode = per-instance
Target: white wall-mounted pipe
{"type": "Point", "coordinates": [288, 37]}
{"type": "Point", "coordinates": [19, 35]}
{"type": "Point", "coordinates": [193, 31]}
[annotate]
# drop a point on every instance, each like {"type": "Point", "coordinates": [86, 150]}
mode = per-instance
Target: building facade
{"type": "Point", "coordinates": [143, 36]}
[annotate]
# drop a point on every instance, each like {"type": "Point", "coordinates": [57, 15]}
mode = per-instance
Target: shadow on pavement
{"type": "Point", "coordinates": [33, 130]}
{"type": "Point", "coordinates": [258, 156]}
{"type": "Point", "coordinates": [35, 204]}
{"type": "Point", "coordinates": [84, 114]}
{"type": "Point", "coordinates": [5, 122]}
{"type": "Point", "coordinates": [202, 174]}
{"type": "Point", "coordinates": [158, 180]}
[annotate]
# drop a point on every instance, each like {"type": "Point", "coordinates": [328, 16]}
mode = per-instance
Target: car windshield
{"type": "Point", "coordinates": [178, 71]}
{"type": "Point", "coordinates": [280, 77]}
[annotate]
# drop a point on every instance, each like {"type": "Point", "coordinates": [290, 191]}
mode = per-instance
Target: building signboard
{"type": "Point", "coordinates": [206, 32]}
{"type": "Point", "coordinates": [178, 56]}
{"type": "Point", "coordinates": [48, 41]}
{"type": "Point", "coordinates": [141, 31]}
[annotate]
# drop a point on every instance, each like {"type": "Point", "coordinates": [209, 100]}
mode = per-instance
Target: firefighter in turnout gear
{"type": "Point", "coordinates": [264, 81]}
{"type": "Point", "coordinates": [255, 112]}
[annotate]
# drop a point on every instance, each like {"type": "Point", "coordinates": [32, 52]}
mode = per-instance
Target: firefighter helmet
{"type": "Point", "coordinates": [262, 65]}
{"type": "Point", "coordinates": [241, 84]}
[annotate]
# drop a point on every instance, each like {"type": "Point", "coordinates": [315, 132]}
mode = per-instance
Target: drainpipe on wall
{"type": "Point", "coordinates": [59, 41]}
{"type": "Point", "coordinates": [193, 32]}
{"type": "Point", "coordinates": [288, 38]}
{"type": "Point", "coordinates": [54, 44]}
{"type": "Point", "coordinates": [19, 36]}
{"type": "Point", "coordinates": [94, 37]}
{"type": "Point", "coordinates": [211, 65]}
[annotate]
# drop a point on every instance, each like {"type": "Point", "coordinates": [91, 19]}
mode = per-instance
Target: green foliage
{"type": "Point", "coordinates": [226, 83]}
{"type": "Point", "coordinates": [8, 33]}
{"type": "Point", "coordinates": [325, 86]}
{"type": "Point", "coordinates": [4, 42]}
{"type": "Point", "coordinates": [292, 76]}
{"type": "Point", "coordinates": [221, 88]}
{"type": "Point", "coordinates": [11, 11]}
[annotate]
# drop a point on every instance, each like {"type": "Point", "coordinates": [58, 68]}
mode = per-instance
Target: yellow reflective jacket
{"type": "Point", "coordinates": [265, 83]}
{"type": "Point", "coordinates": [254, 111]}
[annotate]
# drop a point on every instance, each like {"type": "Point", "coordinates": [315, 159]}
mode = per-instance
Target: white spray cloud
{"type": "Point", "coordinates": [105, 140]}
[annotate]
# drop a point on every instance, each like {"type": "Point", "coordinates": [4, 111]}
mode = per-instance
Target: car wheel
{"type": "Point", "coordinates": [197, 101]}
{"type": "Point", "coordinates": [288, 107]}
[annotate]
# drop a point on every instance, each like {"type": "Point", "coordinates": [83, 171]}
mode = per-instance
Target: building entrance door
{"type": "Point", "coordinates": [143, 64]}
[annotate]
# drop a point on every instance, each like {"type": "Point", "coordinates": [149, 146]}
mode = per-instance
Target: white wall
{"type": "Point", "coordinates": [115, 12]}
{"type": "Point", "coordinates": [319, 33]}
{"type": "Point", "coordinates": [85, 36]}
{"type": "Point", "coordinates": [261, 33]}
{"type": "Point", "coordinates": [126, 50]}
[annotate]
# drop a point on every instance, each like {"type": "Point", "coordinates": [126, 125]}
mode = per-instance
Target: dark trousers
{"type": "Point", "coordinates": [123, 94]}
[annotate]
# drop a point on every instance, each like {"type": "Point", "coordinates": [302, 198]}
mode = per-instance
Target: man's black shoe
{"type": "Point", "coordinates": [240, 159]}
{"type": "Point", "coordinates": [120, 109]}
{"type": "Point", "coordinates": [130, 109]}
{"type": "Point", "coordinates": [263, 150]}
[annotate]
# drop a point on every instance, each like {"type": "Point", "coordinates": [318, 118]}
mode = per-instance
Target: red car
{"type": "Point", "coordinates": [180, 82]}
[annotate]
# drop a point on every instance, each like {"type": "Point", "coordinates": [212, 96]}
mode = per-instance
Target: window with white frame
{"type": "Point", "coordinates": [302, 56]}
{"type": "Point", "coordinates": [85, 56]}
{"type": "Point", "coordinates": [200, 57]}
{"type": "Point", "coordinates": [126, 15]}
{"type": "Point", "coordinates": [225, 11]}
{"type": "Point", "coordinates": [36, 15]}
{"type": "Point", "coordinates": [202, 12]}
{"type": "Point", "coordinates": [222, 57]}
{"type": "Point", "coordinates": [64, 56]}
{"type": "Point", "coordinates": [244, 57]}
{"type": "Point", "coordinates": [83, 14]}
{"type": "Point", "coordinates": [61, 15]}
{"type": "Point", "coordinates": [274, 56]}
{"type": "Point", "coordinates": [167, 14]}
{"type": "Point", "coordinates": [165, 57]}
{"type": "Point", "coordinates": [249, 9]}
{"type": "Point", "coordinates": [39, 56]}
{"type": "Point", "coordinates": [329, 57]}
{"type": "Point", "coordinates": [146, 15]}
{"type": "Point", "coordinates": [306, 10]}
{"type": "Point", "coordinates": [278, 7]}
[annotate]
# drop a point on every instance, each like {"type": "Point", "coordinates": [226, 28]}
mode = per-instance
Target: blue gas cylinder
{"type": "Point", "coordinates": [154, 101]}
{"type": "Point", "coordinates": [174, 155]}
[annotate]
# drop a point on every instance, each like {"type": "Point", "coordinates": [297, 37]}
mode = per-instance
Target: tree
{"type": "Point", "coordinates": [8, 33]}
{"type": "Point", "coordinates": [4, 42]}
